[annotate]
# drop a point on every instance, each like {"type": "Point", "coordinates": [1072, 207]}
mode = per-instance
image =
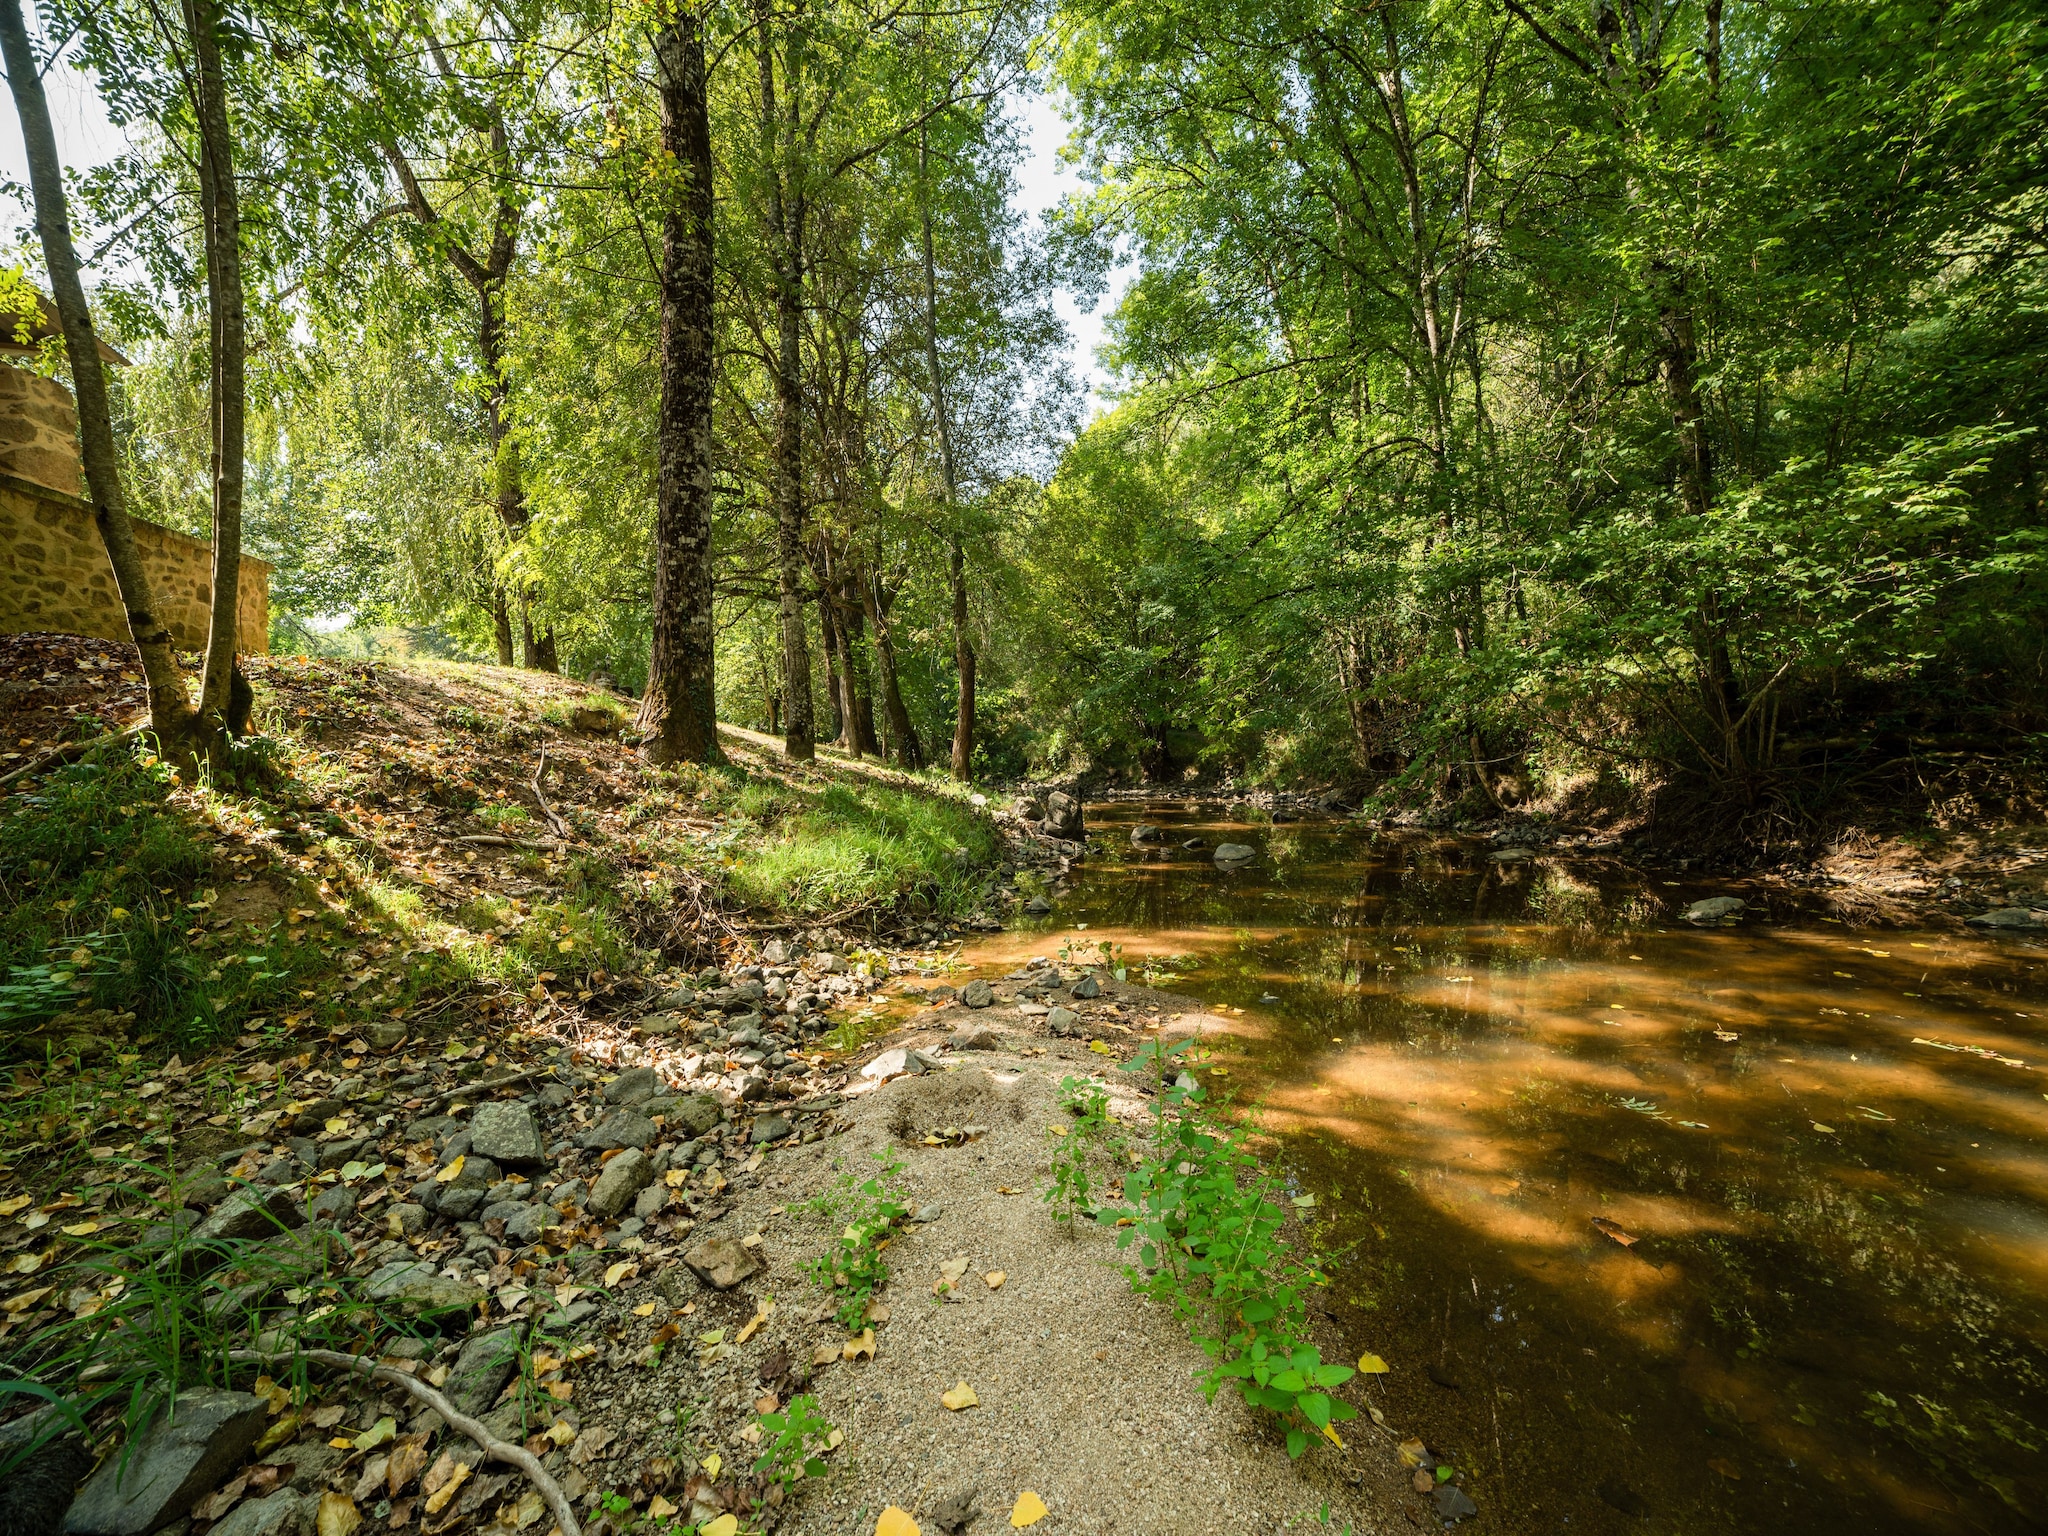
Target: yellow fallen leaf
{"type": "Point", "coordinates": [1333, 1437]}
{"type": "Point", "coordinates": [724, 1525]}
{"type": "Point", "coordinates": [713, 1465]}
{"type": "Point", "coordinates": [438, 1499]}
{"type": "Point", "coordinates": [1825, 1130]}
{"type": "Point", "coordinates": [384, 1429]}
{"type": "Point", "coordinates": [26, 1299]}
{"type": "Point", "coordinates": [81, 1229]}
{"type": "Point", "coordinates": [452, 1172]}
{"type": "Point", "coordinates": [994, 1279]}
{"type": "Point", "coordinates": [960, 1397]}
{"type": "Point", "coordinates": [753, 1324]}
{"type": "Point", "coordinates": [676, 1178]}
{"type": "Point", "coordinates": [620, 1271]}
{"type": "Point", "coordinates": [644, 1310]}
{"type": "Point", "coordinates": [1057, 1130]}
{"type": "Point", "coordinates": [19, 1202]}
{"type": "Point", "coordinates": [895, 1522]}
{"type": "Point", "coordinates": [1029, 1510]}
{"type": "Point", "coordinates": [562, 1432]}
{"type": "Point", "coordinates": [824, 1354]}
{"type": "Point", "coordinates": [338, 1515]}
{"type": "Point", "coordinates": [862, 1343]}
{"type": "Point", "coordinates": [1372, 1365]}
{"type": "Point", "coordinates": [660, 1508]}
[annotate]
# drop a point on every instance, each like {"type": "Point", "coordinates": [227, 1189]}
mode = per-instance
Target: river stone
{"type": "Point", "coordinates": [623, 1178]}
{"type": "Point", "coordinates": [1714, 909]}
{"type": "Point", "coordinates": [977, 994]}
{"type": "Point", "coordinates": [769, 1128]}
{"type": "Point", "coordinates": [631, 1087]}
{"type": "Point", "coordinates": [1087, 986]}
{"type": "Point", "coordinates": [181, 1459]}
{"type": "Point", "coordinates": [1512, 855]}
{"type": "Point", "coordinates": [1063, 1021]}
{"type": "Point", "coordinates": [285, 1513]}
{"type": "Point", "coordinates": [976, 1037]}
{"type": "Point", "coordinates": [241, 1218]}
{"type": "Point", "coordinates": [1145, 832]}
{"type": "Point", "coordinates": [482, 1369]}
{"type": "Point", "coordinates": [506, 1133]}
{"type": "Point", "coordinates": [336, 1204]}
{"type": "Point", "coordinates": [659, 1025]}
{"type": "Point", "coordinates": [1038, 906]}
{"type": "Point", "coordinates": [527, 1225]}
{"type": "Point", "coordinates": [1234, 853]}
{"type": "Point", "coordinates": [697, 1113]}
{"type": "Point", "coordinates": [893, 1064]}
{"type": "Point", "coordinates": [722, 1263]}
{"type": "Point", "coordinates": [382, 1035]}
{"type": "Point", "coordinates": [1063, 817]}
{"type": "Point", "coordinates": [2009, 917]}
{"type": "Point", "coordinates": [650, 1201]}
{"type": "Point", "coordinates": [621, 1128]}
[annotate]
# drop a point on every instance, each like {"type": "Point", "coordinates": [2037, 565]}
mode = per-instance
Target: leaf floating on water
{"type": "Point", "coordinates": [1726, 1036]}
{"type": "Point", "coordinates": [1370, 1364]}
{"type": "Point", "coordinates": [1825, 1130]}
{"type": "Point", "coordinates": [1695, 1125]}
{"type": "Point", "coordinates": [1615, 1230]}
{"type": "Point", "coordinates": [1875, 1114]}
{"type": "Point", "coordinates": [1972, 1050]}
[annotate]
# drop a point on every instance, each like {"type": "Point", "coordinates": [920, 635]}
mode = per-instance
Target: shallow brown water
{"type": "Point", "coordinates": [1835, 1315]}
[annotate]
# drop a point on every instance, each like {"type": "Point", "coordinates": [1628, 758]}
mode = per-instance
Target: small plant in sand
{"type": "Point", "coordinates": [854, 1265]}
{"type": "Point", "coordinates": [1208, 1226]}
{"type": "Point", "coordinates": [1075, 1145]}
{"type": "Point", "coordinates": [793, 1441]}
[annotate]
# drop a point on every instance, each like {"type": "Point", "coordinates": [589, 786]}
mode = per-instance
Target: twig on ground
{"type": "Point", "coordinates": [479, 1089]}
{"type": "Point", "coordinates": [71, 752]}
{"type": "Point", "coordinates": [491, 840]}
{"type": "Point", "coordinates": [498, 1450]}
{"type": "Point", "coordinates": [561, 827]}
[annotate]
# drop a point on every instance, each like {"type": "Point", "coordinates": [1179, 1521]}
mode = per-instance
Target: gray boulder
{"type": "Point", "coordinates": [1145, 832]}
{"type": "Point", "coordinates": [1715, 909]}
{"type": "Point", "coordinates": [1038, 906]}
{"type": "Point", "coordinates": [2009, 917]}
{"type": "Point", "coordinates": [977, 994]}
{"type": "Point", "coordinates": [245, 1216]}
{"type": "Point", "coordinates": [528, 1224]}
{"type": "Point", "coordinates": [284, 1513]}
{"type": "Point", "coordinates": [336, 1204]}
{"type": "Point", "coordinates": [1228, 854]}
{"type": "Point", "coordinates": [976, 1037]}
{"type": "Point", "coordinates": [696, 1114]}
{"type": "Point", "coordinates": [180, 1459]}
{"type": "Point", "coordinates": [769, 1128]}
{"type": "Point", "coordinates": [480, 1372]}
{"type": "Point", "coordinates": [722, 1263]}
{"type": "Point", "coordinates": [623, 1178]}
{"type": "Point", "coordinates": [506, 1133]}
{"type": "Point", "coordinates": [1063, 1022]}
{"type": "Point", "coordinates": [1088, 986]}
{"type": "Point", "coordinates": [621, 1128]}
{"type": "Point", "coordinates": [631, 1087]}
{"type": "Point", "coordinates": [1063, 818]}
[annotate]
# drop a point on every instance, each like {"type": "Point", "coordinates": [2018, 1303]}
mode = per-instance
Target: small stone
{"type": "Point", "coordinates": [1234, 853]}
{"type": "Point", "coordinates": [697, 1114]}
{"type": "Point", "coordinates": [623, 1178]}
{"type": "Point", "coordinates": [621, 1128]}
{"type": "Point", "coordinates": [285, 1513]}
{"type": "Point", "coordinates": [1714, 909]}
{"type": "Point", "coordinates": [501, 1210]}
{"type": "Point", "coordinates": [383, 1035]}
{"type": "Point", "coordinates": [528, 1224]}
{"type": "Point", "coordinates": [1088, 986]}
{"type": "Point", "coordinates": [722, 1263]}
{"type": "Point", "coordinates": [977, 1037]}
{"type": "Point", "coordinates": [775, 952]}
{"type": "Point", "coordinates": [184, 1455]}
{"type": "Point", "coordinates": [1038, 906]}
{"type": "Point", "coordinates": [459, 1204]}
{"type": "Point", "coordinates": [335, 1204]}
{"type": "Point", "coordinates": [1512, 855]}
{"type": "Point", "coordinates": [1452, 1503]}
{"type": "Point", "coordinates": [480, 1372]}
{"type": "Point", "coordinates": [506, 1133]}
{"type": "Point", "coordinates": [977, 994]}
{"type": "Point", "coordinates": [1063, 1022]}
{"type": "Point", "coordinates": [660, 1025]}
{"type": "Point", "coordinates": [337, 1154]}
{"type": "Point", "coordinates": [649, 1201]}
{"type": "Point", "coordinates": [769, 1128]}
{"type": "Point", "coordinates": [891, 1064]}
{"type": "Point", "coordinates": [1145, 832]}
{"type": "Point", "coordinates": [406, 1219]}
{"type": "Point", "coordinates": [631, 1087]}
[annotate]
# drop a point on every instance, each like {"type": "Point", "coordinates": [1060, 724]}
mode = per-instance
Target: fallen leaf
{"type": "Point", "coordinates": [81, 1229]}
{"type": "Point", "coordinates": [622, 1270]}
{"type": "Point", "coordinates": [724, 1525]}
{"type": "Point", "coordinates": [1412, 1452]}
{"type": "Point", "coordinates": [895, 1522]}
{"type": "Point", "coordinates": [753, 1324]}
{"type": "Point", "coordinates": [1004, 1189]}
{"type": "Point", "coordinates": [1372, 1365]}
{"type": "Point", "coordinates": [408, 1460]}
{"type": "Point", "coordinates": [862, 1343]}
{"type": "Point", "coordinates": [994, 1279]}
{"type": "Point", "coordinates": [19, 1202]}
{"type": "Point", "coordinates": [562, 1432]}
{"type": "Point", "coordinates": [660, 1508]}
{"type": "Point", "coordinates": [1825, 1130]}
{"type": "Point", "coordinates": [1615, 1230]}
{"type": "Point", "coordinates": [438, 1499]}
{"type": "Point", "coordinates": [713, 1465]}
{"type": "Point", "coordinates": [27, 1299]}
{"type": "Point", "coordinates": [960, 1397]}
{"type": "Point", "coordinates": [825, 1354]}
{"type": "Point", "coordinates": [877, 1312]}
{"type": "Point", "coordinates": [338, 1515]}
{"type": "Point", "coordinates": [1029, 1510]}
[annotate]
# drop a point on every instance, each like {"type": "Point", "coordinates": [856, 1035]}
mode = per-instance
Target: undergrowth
{"type": "Point", "coordinates": [853, 1265]}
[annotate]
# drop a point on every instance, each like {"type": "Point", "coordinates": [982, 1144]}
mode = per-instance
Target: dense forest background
{"type": "Point", "coordinates": [1514, 398]}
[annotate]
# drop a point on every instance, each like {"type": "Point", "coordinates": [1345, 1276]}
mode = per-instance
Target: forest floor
{"type": "Point", "coordinates": [253, 1029]}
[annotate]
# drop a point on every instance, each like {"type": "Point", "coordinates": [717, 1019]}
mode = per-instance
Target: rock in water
{"type": "Point", "coordinates": [1063, 817]}
{"type": "Point", "coordinates": [1038, 906]}
{"type": "Point", "coordinates": [1715, 909]}
{"type": "Point", "coordinates": [1145, 832]}
{"type": "Point", "coordinates": [1234, 853]}
{"type": "Point", "coordinates": [722, 1263]}
{"type": "Point", "coordinates": [623, 1178]}
{"type": "Point", "coordinates": [2009, 917]}
{"type": "Point", "coordinates": [180, 1459]}
{"type": "Point", "coordinates": [1512, 855]}
{"type": "Point", "coordinates": [506, 1133]}
{"type": "Point", "coordinates": [977, 994]}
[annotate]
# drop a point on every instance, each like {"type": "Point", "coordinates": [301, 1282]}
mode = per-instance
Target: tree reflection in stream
{"type": "Point", "coordinates": [1828, 1143]}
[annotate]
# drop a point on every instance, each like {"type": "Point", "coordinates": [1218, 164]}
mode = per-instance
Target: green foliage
{"type": "Point", "coordinates": [1072, 1189]}
{"type": "Point", "coordinates": [793, 1441]}
{"type": "Point", "coordinates": [854, 1265]}
{"type": "Point", "coordinates": [1202, 1211]}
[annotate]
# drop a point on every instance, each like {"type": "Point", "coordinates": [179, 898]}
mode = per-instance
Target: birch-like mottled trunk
{"type": "Point", "coordinates": [680, 708]}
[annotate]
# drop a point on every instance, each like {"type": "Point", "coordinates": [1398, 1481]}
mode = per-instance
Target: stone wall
{"type": "Point", "coordinates": [39, 431]}
{"type": "Point", "coordinates": [54, 573]}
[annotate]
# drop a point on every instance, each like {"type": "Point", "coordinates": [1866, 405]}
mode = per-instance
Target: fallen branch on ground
{"type": "Point", "coordinates": [561, 827]}
{"type": "Point", "coordinates": [491, 840]}
{"type": "Point", "coordinates": [498, 1450]}
{"type": "Point", "coordinates": [71, 752]}
{"type": "Point", "coordinates": [479, 1089]}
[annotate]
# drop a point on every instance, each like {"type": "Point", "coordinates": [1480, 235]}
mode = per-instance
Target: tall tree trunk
{"type": "Point", "coordinates": [909, 750]}
{"type": "Point", "coordinates": [835, 692]}
{"type": "Point", "coordinates": [680, 706]}
{"type": "Point", "coordinates": [170, 706]}
{"type": "Point", "coordinates": [221, 216]}
{"type": "Point", "coordinates": [501, 625]}
{"type": "Point", "coordinates": [963, 646]}
{"type": "Point", "coordinates": [860, 697]}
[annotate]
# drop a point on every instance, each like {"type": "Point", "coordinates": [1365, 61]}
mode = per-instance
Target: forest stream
{"type": "Point", "coordinates": [1657, 1227]}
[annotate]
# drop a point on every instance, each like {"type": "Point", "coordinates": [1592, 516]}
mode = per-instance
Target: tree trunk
{"type": "Point", "coordinates": [221, 217]}
{"type": "Point", "coordinates": [171, 716]}
{"type": "Point", "coordinates": [909, 750]}
{"type": "Point", "coordinates": [680, 706]}
{"type": "Point", "coordinates": [501, 625]}
{"type": "Point", "coordinates": [963, 648]}
{"type": "Point", "coordinates": [786, 241]}
{"type": "Point", "coordinates": [835, 695]}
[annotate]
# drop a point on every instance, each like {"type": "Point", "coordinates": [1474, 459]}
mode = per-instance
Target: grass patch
{"type": "Point", "coordinates": [861, 847]}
